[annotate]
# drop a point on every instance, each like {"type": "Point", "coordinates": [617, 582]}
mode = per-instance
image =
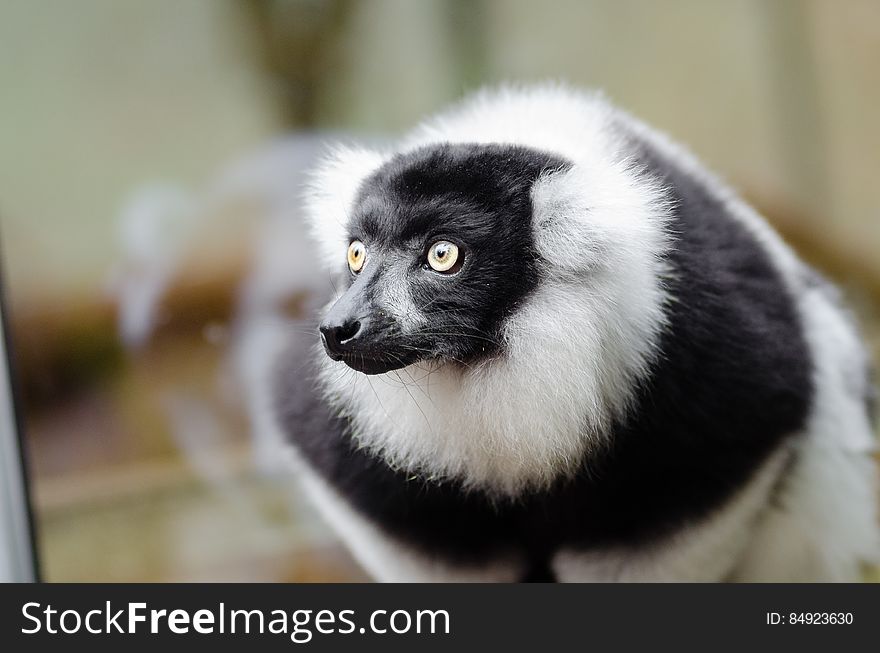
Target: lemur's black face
{"type": "Point", "coordinates": [441, 252]}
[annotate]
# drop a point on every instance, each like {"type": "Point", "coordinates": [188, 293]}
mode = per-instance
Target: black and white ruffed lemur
{"type": "Point", "coordinates": [560, 349]}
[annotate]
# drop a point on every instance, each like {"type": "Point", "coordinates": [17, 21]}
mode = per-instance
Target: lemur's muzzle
{"type": "Point", "coordinates": [350, 334]}
{"type": "Point", "coordinates": [346, 327]}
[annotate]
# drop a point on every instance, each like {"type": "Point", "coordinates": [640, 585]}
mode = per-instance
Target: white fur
{"type": "Point", "coordinates": [330, 195]}
{"type": "Point", "coordinates": [572, 358]}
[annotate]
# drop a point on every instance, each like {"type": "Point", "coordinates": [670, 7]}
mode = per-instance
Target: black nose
{"type": "Point", "coordinates": [337, 337]}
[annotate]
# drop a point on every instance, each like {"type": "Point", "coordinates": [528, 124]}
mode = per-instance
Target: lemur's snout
{"type": "Point", "coordinates": [339, 338]}
{"type": "Point", "coordinates": [345, 325]}
{"type": "Point", "coordinates": [352, 333]}
{"type": "Point", "coordinates": [356, 342]}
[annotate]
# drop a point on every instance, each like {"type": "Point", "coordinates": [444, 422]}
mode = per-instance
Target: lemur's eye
{"type": "Point", "coordinates": [357, 253]}
{"type": "Point", "coordinates": [443, 256]}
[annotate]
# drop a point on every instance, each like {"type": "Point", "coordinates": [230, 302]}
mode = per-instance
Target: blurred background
{"type": "Point", "coordinates": [151, 157]}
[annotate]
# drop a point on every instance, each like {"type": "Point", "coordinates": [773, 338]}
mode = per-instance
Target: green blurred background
{"type": "Point", "coordinates": [101, 99]}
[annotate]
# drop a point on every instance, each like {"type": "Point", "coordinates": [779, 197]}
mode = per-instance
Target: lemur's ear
{"type": "Point", "coordinates": [595, 216]}
{"type": "Point", "coordinates": [330, 196]}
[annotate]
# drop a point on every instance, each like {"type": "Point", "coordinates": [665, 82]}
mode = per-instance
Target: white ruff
{"type": "Point", "coordinates": [572, 353]}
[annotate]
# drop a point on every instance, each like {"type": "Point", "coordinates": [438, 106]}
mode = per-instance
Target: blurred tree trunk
{"type": "Point", "coordinates": [298, 38]}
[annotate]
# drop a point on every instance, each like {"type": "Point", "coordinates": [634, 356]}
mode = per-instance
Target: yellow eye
{"type": "Point", "coordinates": [443, 256]}
{"type": "Point", "coordinates": [357, 253]}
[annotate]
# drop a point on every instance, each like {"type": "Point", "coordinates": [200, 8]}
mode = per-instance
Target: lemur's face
{"type": "Point", "coordinates": [441, 252]}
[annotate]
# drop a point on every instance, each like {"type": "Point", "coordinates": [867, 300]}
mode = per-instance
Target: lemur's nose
{"type": "Point", "coordinates": [337, 337]}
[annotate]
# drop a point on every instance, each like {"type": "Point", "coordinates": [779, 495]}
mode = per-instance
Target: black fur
{"type": "Point", "coordinates": [732, 382]}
